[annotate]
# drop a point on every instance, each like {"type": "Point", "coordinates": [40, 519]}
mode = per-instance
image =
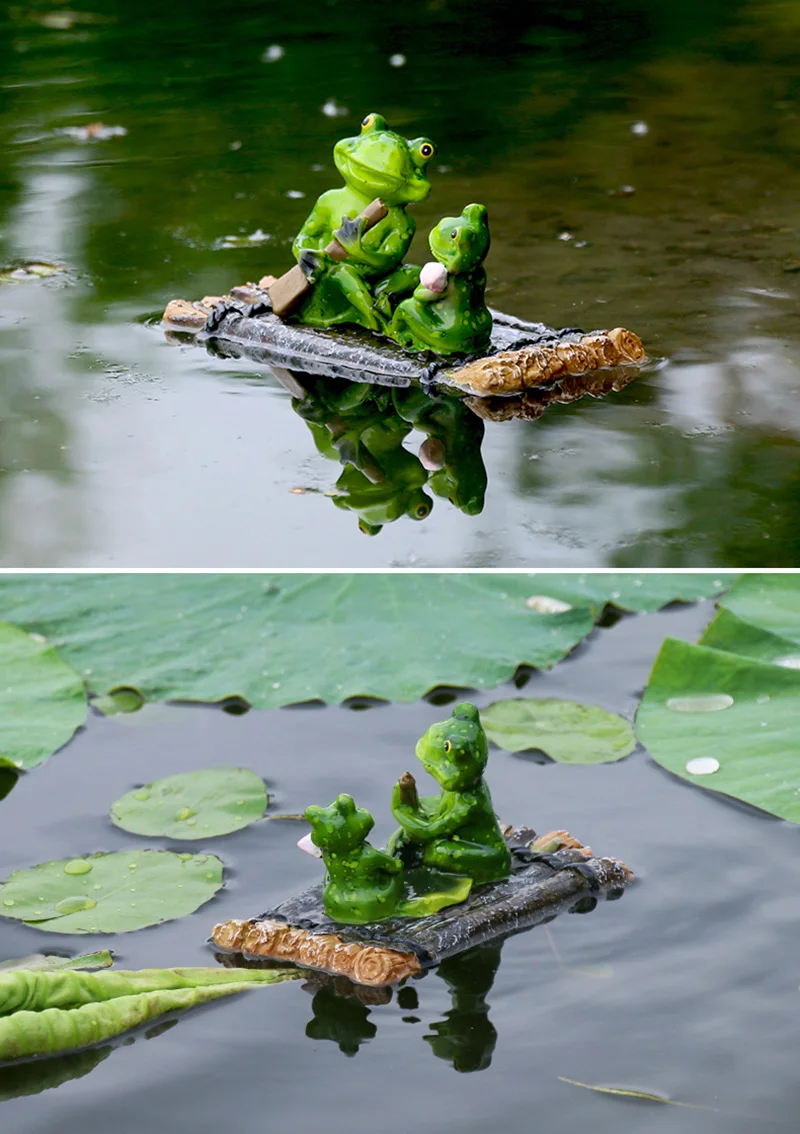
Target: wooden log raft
{"type": "Point", "coordinates": [549, 874]}
{"type": "Point", "coordinates": [522, 355]}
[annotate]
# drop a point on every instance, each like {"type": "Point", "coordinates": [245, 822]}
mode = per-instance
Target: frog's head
{"type": "Point", "coordinates": [461, 243]}
{"type": "Point", "coordinates": [341, 827]}
{"type": "Point", "coordinates": [455, 751]}
{"type": "Point", "coordinates": [399, 494]}
{"type": "Point", "coordinates": [380, 163]}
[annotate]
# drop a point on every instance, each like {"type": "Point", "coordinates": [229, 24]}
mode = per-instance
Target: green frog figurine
{"type": "Point", "coordinates": [456, 831]}
{"type": "Point", "coordinates": [362, 884]}
{"type": "Point", "coordinates": [447, 312]}
{"type": "Point", "coordinates": [376, 163]}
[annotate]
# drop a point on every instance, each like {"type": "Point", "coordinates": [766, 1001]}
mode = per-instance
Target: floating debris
{"type": "Point", "coordinates": [93, 131]}
{"type": "Point", "coordinates": [332, 109]}
{"type": "Point", "coordinates": [273, 53]}
{"type": "Point", "coordinates": [257, 237]}
{"type": "Point", "coordinates": [566, 236]}
{"type": "Point", "coordinates": [710, 703]}
{"type": "Point", "coordinates": [295, 194]}
{"type": "Point", "coordinates": [640, 129]}
{"type": "Point", "coordinates": [32, 270]}
{"type": "Point", "coordinates": [702, 766]}
{"type": "Point", "coordinates": [622, 191]}
{"type": "Point", "coordinates": [397, 60]}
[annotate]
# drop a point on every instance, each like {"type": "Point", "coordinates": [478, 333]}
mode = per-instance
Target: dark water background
{"type": "Point", "coordinates": [688, 985]}
{"type": "Point", "coordinates": [117, 448]}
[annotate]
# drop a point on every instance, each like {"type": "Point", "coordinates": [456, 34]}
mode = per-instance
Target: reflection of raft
{"type": "Point", "coordinates": [543, 882]}
{"type": "Point", "coordinates": [523, 355]}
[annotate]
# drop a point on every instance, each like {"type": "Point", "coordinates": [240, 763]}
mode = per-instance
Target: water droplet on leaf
{"type": "Point", "coordinates": [710, 703]}
{"type": "Point", "coordinates": [702, 766]}
{"type": "Point", "coordinates": [544, 604]}
{"type": "Point", "coordinates": [74, 905]}
{"type": "Point", "coordinates": [77, 866]}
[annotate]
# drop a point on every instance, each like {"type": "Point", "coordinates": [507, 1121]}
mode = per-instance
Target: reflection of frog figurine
{"type": "Point", "coordinates": [361, 884]}
{"type": "Point", "coordinates": [377, 163]}
{"type": "Point", "coordinates": [454, 319]}
{"type": "Point", "coordinates": [452, 449]}
{"type": "Point", "coordinates": [455, 831]}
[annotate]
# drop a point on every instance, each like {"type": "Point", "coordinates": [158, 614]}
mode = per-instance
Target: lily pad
{"type": "Point", "coordinates": [50, 963]}
{"type": "Point", "coordinates": [428, 891]}
{"type": "Point", "coordinates": [567, 731]}
{"type": "Point", "coordinates": [728, 632]}
{"type": "Point", "coordinates": [42, 700]}
{"type": "Point", "coordinates": [110, 893]}
{"type": "Point", "coordinates": [20, 271]}
{"type": "Point", "coordinates": [193, 805]}
{"type": "Point", "coordinates": [117, 701]}
{"type": "Point", "coordinates": [629, 591]}
{"type": "Point", "coordinates": [280, 639]}
{"type": "Point", "coordinates": [769, 601]}
{"type": "Point", "coordinates": [746, 716]}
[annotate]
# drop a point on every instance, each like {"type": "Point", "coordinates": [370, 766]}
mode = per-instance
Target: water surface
{"type": "Point", "coordinates": [688, 985]}
{"type": "Point", "coordinates": [639, 161]}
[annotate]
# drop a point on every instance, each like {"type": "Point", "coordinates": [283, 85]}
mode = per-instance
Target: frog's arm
{"type": "Point", "coordinates": [317, 230]}
{"type": "Point", "coordinates": [422, 827]}
{"type": "Point", "coordinates": [384, 255]}
{"type": "Point", "coordinates": [425, 295]}
{"type": "Point", "coordinates": [377, 860]}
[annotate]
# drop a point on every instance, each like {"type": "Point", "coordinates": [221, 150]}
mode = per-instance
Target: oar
{"type": "Point", "coordinates": [294, 285]}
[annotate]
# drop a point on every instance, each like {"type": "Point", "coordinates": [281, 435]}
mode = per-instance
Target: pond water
{"type": "Point", "coordinates": [687, 986]}
{"type": "Point", "coordinates": [639, 162]}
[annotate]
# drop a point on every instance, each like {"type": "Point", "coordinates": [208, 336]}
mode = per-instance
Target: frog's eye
{"type": "Point", "coordinates": [422, 511]}
{"type": "Point", "coordinates": [373, 122]}
{"type": "Point", "coordinates": [426, 150]}
{"type": "Point", "coordinates": [423, 150]}
{"type": "Point", "coordinates": [448, 747]}
{"type": "Point", "coordinates": [368, 121]}
{"type": "Point", "coordinates": [454, 233]}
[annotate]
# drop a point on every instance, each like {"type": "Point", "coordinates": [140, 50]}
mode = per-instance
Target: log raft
{"type": "Point", "coordinates": [549, 875]}
{"type": "Point", "coordinates": [522, 355]}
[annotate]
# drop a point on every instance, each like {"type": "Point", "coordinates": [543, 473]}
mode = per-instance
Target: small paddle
{"type": "Point", "coordinates": [294, 285]}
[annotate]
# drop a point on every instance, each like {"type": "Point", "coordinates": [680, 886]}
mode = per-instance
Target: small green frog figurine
{"type": "Point", "coordinates": [447, 312]}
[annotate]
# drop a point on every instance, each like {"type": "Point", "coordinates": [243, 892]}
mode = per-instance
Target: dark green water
{"type": "Point", "coordinates": [119, 448]}
{"type": "Point", "coordinates": [688, 985]}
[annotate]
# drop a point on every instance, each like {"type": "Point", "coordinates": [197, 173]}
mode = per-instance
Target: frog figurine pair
{"type": "Point", "coordinates": [441, 307]}
{"type": "Point", "coordinates": [444, 844]}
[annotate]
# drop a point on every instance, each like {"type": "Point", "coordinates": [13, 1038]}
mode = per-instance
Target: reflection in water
{"type": "Point", "coordinates": [466, 1037]}
{"type": "Point", "coordinates": [8, 780]}
{"type": "Point", "coordinates": [363, 426]}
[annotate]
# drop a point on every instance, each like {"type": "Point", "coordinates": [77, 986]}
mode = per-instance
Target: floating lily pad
{"type": "Point", "coordinates": [728, 632]}
{"type": "Point", "coordinates": [193, 805]}
{"type": "Point", "coordinates": [279, 639]}
{"type": "Point", "coordinates": [642, 592]}
{"type": "Point", "coordinates": [110, 893]}
{"type": "Point", "coordinates": [49, 963]}
{"type": "Point", "coordinates": [567, 731]}
{"type": "Point", "coordinates": [42, 700]}
{"type": "Point", "coordinates": [769, 601]}
{"type": "Point", "coordinates": [746, 716]}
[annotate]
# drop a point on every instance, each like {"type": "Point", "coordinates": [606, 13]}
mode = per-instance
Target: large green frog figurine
{"type": "Point", "coordinates": [447, 312]}
{"type": "Point", "coordinates": [376, 163]}
{"type": "Point", "coordinates": [456, 831]}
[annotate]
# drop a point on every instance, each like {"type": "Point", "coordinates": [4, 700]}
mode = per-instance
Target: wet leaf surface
{"type": "Point", "coordinates": [568, 732]}
{"type": "Point", "coordinates": [110, 893]}
{"type": "Point", "coordinates": [42, 700]}
{"type": "Point", "coordinates": [280, 639]}
{"type": "Point", "coordinates": [746, 717]}
{"type": "Point", "coordinates": [193, 805]}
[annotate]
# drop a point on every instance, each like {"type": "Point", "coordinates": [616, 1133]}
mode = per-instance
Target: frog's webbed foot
{"type": "Point", "coordinates": [310, 264]}
{"type": "Point", "coordinates": [349, 234]}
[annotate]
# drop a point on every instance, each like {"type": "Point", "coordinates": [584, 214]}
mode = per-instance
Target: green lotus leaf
{"type": "Point", "coordinates": [49, 962]}
{"type": "Point", "coordinates": [42, 700]}
{"type": "Point", "coordinates": [725, 723]}
{"type": "Point", "coordinates": [567, 731]}
{"type": "Point", "coordinates": [193, 805]}
{"type": "Point", "coordinates": [629, 591]}
{"type": "Point", "coordinates": [280, 639]}
{"type": "Point", "coordinates": [728, 632]}
{"type": "Point", "coordinates": [110, 893]}
{"type": "Point", "coordinates": [769, 601]}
